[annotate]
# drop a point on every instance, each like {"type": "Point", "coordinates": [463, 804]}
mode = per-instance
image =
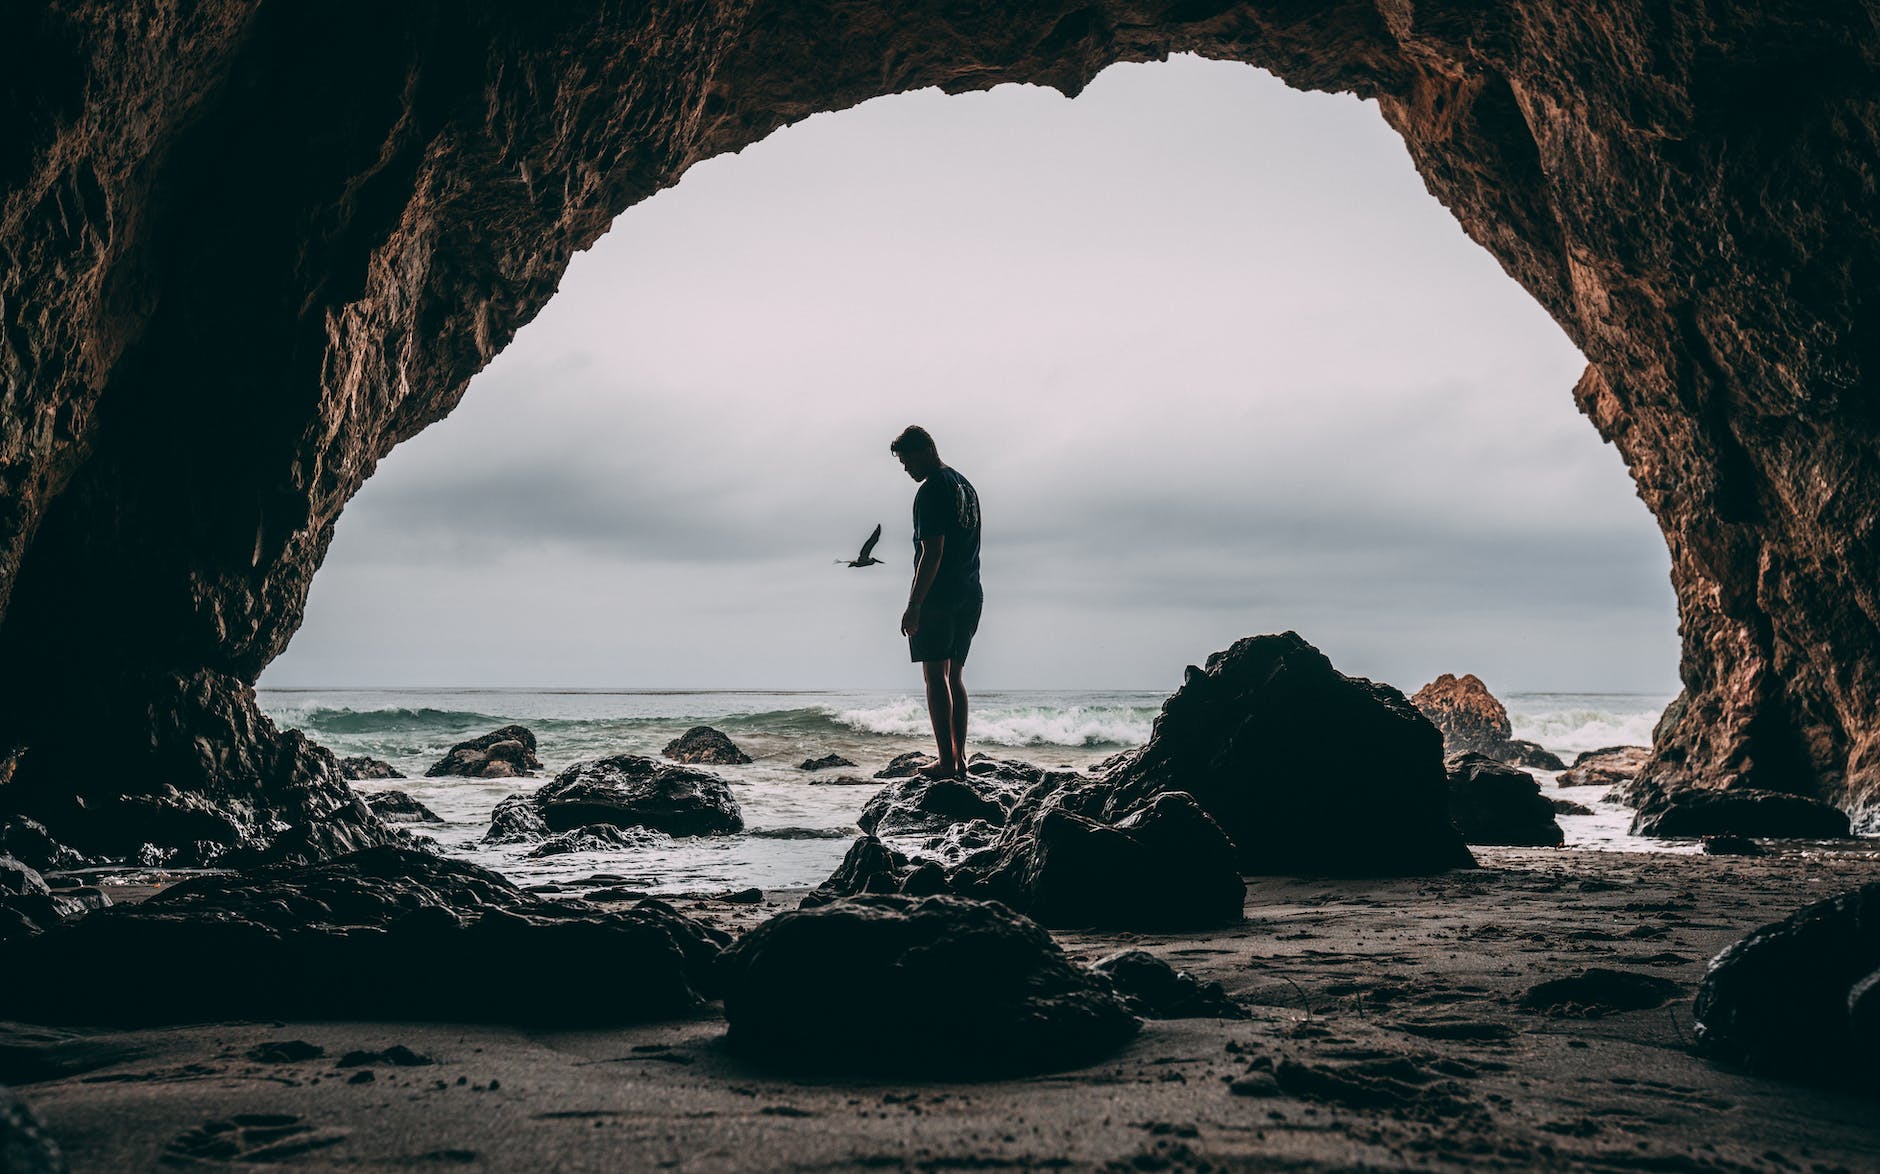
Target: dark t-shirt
{"type": "Point", "coordinates": [947, 505]}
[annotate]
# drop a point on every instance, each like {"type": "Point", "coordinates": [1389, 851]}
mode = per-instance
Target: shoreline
{"type": "Point", "coordinates": [1392, 1004]}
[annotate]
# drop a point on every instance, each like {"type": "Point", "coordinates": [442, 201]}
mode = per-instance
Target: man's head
{"type": "Point", "coordinates": [917, 452]}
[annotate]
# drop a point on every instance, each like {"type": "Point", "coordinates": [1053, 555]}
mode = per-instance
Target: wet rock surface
{"type": "Point", "coordinates": [383, 934]}
{"type": "Point", "coordinates": [630, 791]}
{"type": "Point", "coordinates": [826, 762]}
{"type": "Point", "coordinates": [1155, 990]}
{"type": "Point", "coordinates": [906, 766]}
{"type": "Point", "coordinates": [915, 805]}
{"type": "Point", "coordinates": [598, 837]}
{"type": "Point", "coordinates": [398, 807]}
{"type": "Point", "coordinates": [1796, 998]}
{"type": "Point", "coordinates": [1493, 803]}
{"type": "Point", "coordinates": [364, 767]}
{"type": "Point", "coordinates": [503, 753]}
{"type": "Point", "coordinates": [704, 746]}
{"type": "Point", "coordinates": [29, 906]}
{"type": "Point", "coordinates": [516, 820]}
{"type": "Point", "coordinates": [1307, 770]}
{"type": "Point", "coordinates": [1607, 767]}
{"type": "Point", "coordinates": [944, 987]}
{"type": "Point", "coordinates": [1474, 721]}
{"type": "Point", "coordinates": [1704, 811]}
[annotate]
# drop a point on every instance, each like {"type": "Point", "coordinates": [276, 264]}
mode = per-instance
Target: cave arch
{"type": "Point", "coordinates": [250, 249]}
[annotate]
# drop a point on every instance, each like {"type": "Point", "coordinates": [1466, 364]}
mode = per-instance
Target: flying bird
{"type": "Point", "coordinates": [867, 557]}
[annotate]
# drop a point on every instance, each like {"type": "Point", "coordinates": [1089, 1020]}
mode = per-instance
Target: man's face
{"type": "Point", "coordinates": [912, 464]}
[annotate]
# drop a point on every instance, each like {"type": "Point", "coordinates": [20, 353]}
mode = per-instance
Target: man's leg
{"type": "Point", "coordinates": [957, 688]}
{"type": "Point", "coordinates": [940, 713]}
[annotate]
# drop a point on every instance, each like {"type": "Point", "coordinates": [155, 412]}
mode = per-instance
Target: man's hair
{"type": "Point", "coordinates": [913, 438]}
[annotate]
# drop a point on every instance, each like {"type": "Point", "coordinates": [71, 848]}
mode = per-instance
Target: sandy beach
{"type": "Point", "coordinates": [1386, 1031]}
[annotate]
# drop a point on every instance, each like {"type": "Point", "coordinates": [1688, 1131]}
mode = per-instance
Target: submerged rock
{"type": "Point", "coordinates": [1473, 721]}
{"type": "Point", "coordinates": [1700, 811]}
{"type": "Point", "coordinates": [702, 745]}
{"type": "Point", "coordinates": [1607, 767]}
{"type": "Point", "coordinates": [504, 753]}
{"type": "Point", "coordinates": [1307, 770]}
{"type": "Point", "coordinates": [361, 767]}
{"type": "Point", "coordinates": [1155, 990]}
{"type": "Point", "coordinates": [916, 987]}
{"type": "Point", "coordinates": [826, 762]}
{"type": "Point", "coordinates": [629, 790]}
{"type": "Point", "coordinates": [387, 933]}
{"type": "Point", "coordinates": [1796, 998]}
{"type": "Point", "coordinates": [398, 807]}
{"type": "Point", "coordinates": [1493, 803]}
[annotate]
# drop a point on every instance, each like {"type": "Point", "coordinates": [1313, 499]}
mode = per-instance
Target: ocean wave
{"type": "Point", "coordinates": [1071, 725]}
{"type": "Point", "coordinates": [374, 721]}
{"type": "Point", "coordinates": [1574, 730]}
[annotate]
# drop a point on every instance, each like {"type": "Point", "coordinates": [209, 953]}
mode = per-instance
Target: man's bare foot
{"type": "Point", "coordinates": [940, 770]}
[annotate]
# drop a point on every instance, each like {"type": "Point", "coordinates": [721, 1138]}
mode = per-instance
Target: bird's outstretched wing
{"type": "Point", "coordinates": [868, 547]}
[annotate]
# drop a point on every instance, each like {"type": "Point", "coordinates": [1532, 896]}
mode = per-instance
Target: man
{"type": "Point", "coordinates": [944, 603]}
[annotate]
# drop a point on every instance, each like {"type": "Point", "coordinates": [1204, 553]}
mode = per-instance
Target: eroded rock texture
{"type": "Point", "coordinates": [246, 249]}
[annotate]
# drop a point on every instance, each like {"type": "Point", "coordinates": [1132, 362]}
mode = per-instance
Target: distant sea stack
{"type": "Point", "coordinates": [1474, 722]}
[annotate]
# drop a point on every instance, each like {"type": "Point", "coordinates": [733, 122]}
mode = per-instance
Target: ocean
{"type": "Point", "coordinates": [796, 830]}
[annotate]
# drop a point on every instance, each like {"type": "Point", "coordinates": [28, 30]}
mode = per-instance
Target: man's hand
{"type": "Point", "coordinates": [910, 620]}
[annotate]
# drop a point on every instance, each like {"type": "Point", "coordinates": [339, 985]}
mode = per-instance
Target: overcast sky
{"type": "Point", "coordinates": [1216, 361]}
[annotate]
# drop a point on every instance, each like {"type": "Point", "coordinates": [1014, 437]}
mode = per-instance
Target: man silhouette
{"type": "Point", "coordinates": [944, 603]}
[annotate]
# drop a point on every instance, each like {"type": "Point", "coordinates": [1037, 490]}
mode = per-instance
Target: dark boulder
{"type": "Point", "coordinates": [398, 807]}
{"type": "Point", "coordinates": [903, 766]}
{"type": "Point", "coordinates": [1473, 721]}
{"type": "Point", "coordinates": [937, 987]}
{"type": "Point", "coordinates": [387, 933]}
{"type": "Point", "coordinates": [704, 746]}
{"type": "Point", "coordinates": [1609, 767]}
{"type": "Point", "coordinates": [1732, 846]}
{"type": "Point", "coordinates": [1569, 807]}
{"type": "Point", "coordinates": [1155, 990]}
{"type": "Point", "coordinates": [1699, 811]}
{"type": "Point", "coordinates": [869, 866]}
{"type": "Point", "coordinates": [1796, 998]}
{"type": "Point", "coordinates": [505, 753]}
{"type": "Point", "coordinates": [599, 837]}
{"type": "Point", "coordinates": [1307, 770]}
{"type": "Point", "coordinates": [826, 762]}
{"type": "Point", "coordinates": [1163, 866]}
{"type": "Point", "coordinates": [25, 1146]}
{"type": "Point", "coordinates": [628, 790]}
{"type": "Point", "coordinates": [914, 806]}
{"type": "Point", "coordinates": [360, 767]}
{"type": "Point", "coordinates": [516, 820]}
{"type": "Point", "coordinates": [27, 840]}
{"type": "Point", "coordinates": [1493, 803]}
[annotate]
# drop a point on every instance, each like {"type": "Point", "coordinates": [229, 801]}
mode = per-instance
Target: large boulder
{"type": "Point", "coordinates": [27, 840]}
{"type": "Point", "coordinates": [1795, 998]}
{"type": "Point", "coordinates": [1307, 770]}
{"type": "Point", "coordinates": [387, 933]}
{"type": "Point", "coordinates": [869, 866]}
{"type": "Point", "coordinates": [916, 805]}
{"type": "Point", "coordinates": [1606, 767]}
{"type": "Point", "coordinates": [704, 746]}
{"type": "Point", "coordinates": [1697, 811]}
{"type": "Point", "coordinates": [628, 790]}
{"type": "Point", "coordinates": [1473, 721]}
{"type": "Point", "coordinates": [1491, 802]}
{"type": "Point", "coordinates": [503, 753]}
{"type": "Point", "coordinates": [363, 767]}
{"type": "Point", "coordinates": [934, 987]}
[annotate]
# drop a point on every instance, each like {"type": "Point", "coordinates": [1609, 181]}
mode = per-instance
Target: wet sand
{"type": "Point", "coordinates": [1388, 1010]}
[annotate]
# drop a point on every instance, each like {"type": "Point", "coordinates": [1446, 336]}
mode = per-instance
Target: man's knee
{"type": "Point", "coordinates": [936, 671]}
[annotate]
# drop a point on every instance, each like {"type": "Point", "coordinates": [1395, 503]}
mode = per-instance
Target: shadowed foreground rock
{"type": "Point", "coordinates": [1493, 803]}
{"type": "Point", "coordinates": [632, 791]}
{"type": "Point", "coordinates": [929, 987]}
{"type": "Point", "coordinates": [503, 753]}
{"type": "Point", "coordinates": [1307, 770]}
{"type": "Point", "coordinates": [384, 934]}
{"type": "Point", "coordinates": [1155, 990]}
{"type": "Point", "coordinates": [1742, 812]}
{"type": "Point", "coordinates": [702, 745]}
{"type": "Point", "coordinates": [1800, 998]}
{"type": "Point", "coordinates": [1474, 721]}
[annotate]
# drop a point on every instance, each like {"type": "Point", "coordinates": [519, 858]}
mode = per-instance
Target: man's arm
{"type": "Point", "coordinates": [924, 571]}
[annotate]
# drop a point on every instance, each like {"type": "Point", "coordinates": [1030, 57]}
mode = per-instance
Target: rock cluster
{"type": "Point", "coordinates": [1608, 767]}
{"type": "Point", "coordinates": [1800, 997]}
{"type": "Point", "coordinates": [704, 746]}
{"type": "Point", "coordinates": [1474, 721]}
{"type": "Point", "coordinates": [915, 987]}
{"type": "Point", "coordinates": [504, 753]}
{"type": "Point", "coordinates": [386, 933]}
{"type": "Point", "coordinates": [28, 905]}
{"type": "Point", "coordinates": [1493, 803]}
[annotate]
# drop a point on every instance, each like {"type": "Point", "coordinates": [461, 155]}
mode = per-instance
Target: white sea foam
{"type": "Point", "coordinates": [1042, 725]}
{"type": "Point", "coordinates": [1568, 728]}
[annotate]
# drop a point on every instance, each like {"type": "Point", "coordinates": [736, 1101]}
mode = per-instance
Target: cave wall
{"type": "Point", "coordinates": [247, 248]}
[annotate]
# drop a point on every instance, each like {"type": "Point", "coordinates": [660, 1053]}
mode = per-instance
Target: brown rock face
{"type": "Point", "coordinates": [1471, 719]}
{"type": "Point", "coordinates": [247, 249]}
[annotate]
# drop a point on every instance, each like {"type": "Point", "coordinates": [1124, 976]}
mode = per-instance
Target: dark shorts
{"type": "Point", "coordinates": [946, 628]}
